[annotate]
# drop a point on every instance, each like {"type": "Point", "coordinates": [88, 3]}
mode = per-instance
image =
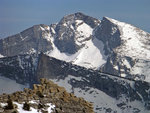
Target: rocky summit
{"type": "Point", "coordinates": [45, 97]}
{"type": "Point", "coordinates": [104, 61]}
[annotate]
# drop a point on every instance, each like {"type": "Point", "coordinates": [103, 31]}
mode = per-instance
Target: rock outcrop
{"type": "Point", "coordinates": [43, 94]}
{"type": "Point", "coordinates": [32, 40]}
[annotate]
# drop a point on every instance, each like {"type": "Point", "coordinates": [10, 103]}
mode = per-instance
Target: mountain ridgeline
{"type": "Point", "coordinates": [104, 61]}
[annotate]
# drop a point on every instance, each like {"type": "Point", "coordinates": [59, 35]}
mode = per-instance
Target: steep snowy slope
{"type": "Point", "coordinates": [74, 41]}
{"type": "Point", "coordinates": [89, 56]}
{"type": "Point", "coordinates": [73, 31]}
{"type": "Point", "coordinates": [127, 48]}
{"type": "Point", "coordinates": [134, 42]}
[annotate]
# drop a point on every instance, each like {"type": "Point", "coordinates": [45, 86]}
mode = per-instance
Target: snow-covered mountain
{"type": "Point", "coordinates": [71, 40]}
{"type": "Point", "coordinates": [109, 45]}
{"type": "Point", "coordinates": [106, 62]}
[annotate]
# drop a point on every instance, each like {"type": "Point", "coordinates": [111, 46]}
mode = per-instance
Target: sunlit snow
{"type": "Point", "coordinates": [133, 41]}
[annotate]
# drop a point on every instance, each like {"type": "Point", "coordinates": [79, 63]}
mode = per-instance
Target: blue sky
{"type": "Point", "coordinates": [18, 15]}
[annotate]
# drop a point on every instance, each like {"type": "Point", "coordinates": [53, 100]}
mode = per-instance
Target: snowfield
{"type": "Point", "coordinates": [32, 110]}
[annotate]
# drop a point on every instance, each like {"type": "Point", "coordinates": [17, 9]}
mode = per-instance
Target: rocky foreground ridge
{"type": "Point", "coordinates": [43, 94]}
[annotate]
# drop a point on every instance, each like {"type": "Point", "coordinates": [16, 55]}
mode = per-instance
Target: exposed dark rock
{"type": "Point", "coordinates": [10, 105]}
{"type": "Point", "coordinates": [21, 68]}
{"type": "Point", "coordinates": [31, 40]}
{"type": "Point", "coordinates": [26, 106]}
{"type": "Point", "coordinates": [104, 33]}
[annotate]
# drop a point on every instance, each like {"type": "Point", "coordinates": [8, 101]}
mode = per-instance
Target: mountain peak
{"type": "Point", "coordinates": [93, 22]}
{"type": "Point", "coordinates": [116, 22]}
{"type": "Point", "coordinates": [106, 18]}
{"type": "Point", "coordinates": [77, 14]}
{"type": "Point", "coordinates": [124, 38]}
{"type": "Point", "coordinates": [112, 21]}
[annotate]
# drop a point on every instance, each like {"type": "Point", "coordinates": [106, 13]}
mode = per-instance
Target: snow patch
{"type": "Point", "coordinates": [47, 28]}
{"type": "Point", "coordinates": [65, 24]}
{"type": "Point", "coordinates": [72, 27]}
{"type": "Point", "coordinates": [59, 55]}
{"type": "Point", "coordinates": [53, 31]}
{"type": "Point", "coordinates": [83, 28]}
{"type": "Point", "coordinates": [31, 51]}
{"type": "Point", "coordinates": [1, 56]}
{"type": "Point", "coordinates": [33, 110]}
{"type": "Point", "coordinates": [142, 67]}
{"type": "Point", "coordinates": [90, 56]}
{"type": "Point", "coordinates": [42, 28]}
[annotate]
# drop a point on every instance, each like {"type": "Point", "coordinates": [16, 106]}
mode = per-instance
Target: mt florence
{"type": "Point", "coordinates": [104, 61]}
